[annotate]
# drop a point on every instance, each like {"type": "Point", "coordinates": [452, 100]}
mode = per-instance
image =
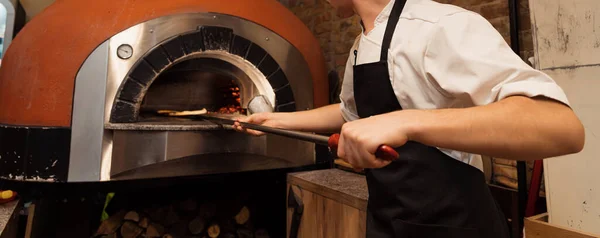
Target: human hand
{"type": "Point", "coordinates": [266, 119]}
{"type": "Point", "coordinates": [360, 139]}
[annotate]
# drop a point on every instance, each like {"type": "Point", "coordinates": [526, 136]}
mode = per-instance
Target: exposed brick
{"type": "Point", "coordinates": [502, 25]}
{"type": "Point", "coordinates": [336, 35]}
{"type": "Point", "coordinates": [495, 10]}
{"type": "Point", "coordinates": [340, 60]}
{"type": "Point", "coordinates": [322, 28]}
{"type": "Point", "coordinates": [340, 49]}
{"type": "Point", "coordinates": [351, 35]}
{"type": "Point", "coordinates": [322, 17]}
{"type": "Point", "coordinates": [524, 21]}
{"type": "Point", "coordinates": [346, 24]}
{"type": "Point", "coordinates": [307, 3]}
{"type": "Point", "coordinates": [526, 40]}
{"type": "Point", "coordinates": [341, 71]}
{"type": "Point", "coordinates": [507, 39]}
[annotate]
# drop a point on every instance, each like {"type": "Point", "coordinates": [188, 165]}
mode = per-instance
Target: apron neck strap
{"type": "Point", "coordinates": [391, 27]}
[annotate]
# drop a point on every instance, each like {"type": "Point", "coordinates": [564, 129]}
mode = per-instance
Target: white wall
{"type": "Point", "coordinates": [34, 7]}
{"type": "Point", "coordinates": [567, 47]}
{"type": "Point", "coordinates": [7, 18]}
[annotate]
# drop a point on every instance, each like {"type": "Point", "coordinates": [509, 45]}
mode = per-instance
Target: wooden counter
{"type": "Point", "coordinates": [335, 203]}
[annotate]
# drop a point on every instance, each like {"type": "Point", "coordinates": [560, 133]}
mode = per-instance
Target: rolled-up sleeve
{"type": "Point", "coordinates": [467, 58]}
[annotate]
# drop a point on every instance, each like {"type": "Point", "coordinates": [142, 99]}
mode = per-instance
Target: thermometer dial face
{"type": "Point", "coordinates": [125, 51]}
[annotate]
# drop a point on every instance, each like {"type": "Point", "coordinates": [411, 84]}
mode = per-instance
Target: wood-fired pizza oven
{"type": "Point", "coordinates": [81, 85]}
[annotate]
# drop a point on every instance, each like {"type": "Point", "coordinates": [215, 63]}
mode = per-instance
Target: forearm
{"type": "Point", "coordinates": [515, 128]}
{"type": "Point", "coordinates": [326, 119]}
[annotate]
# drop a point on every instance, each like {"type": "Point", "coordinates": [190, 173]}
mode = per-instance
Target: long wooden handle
{"type": "Point", "coordinates": [384, 152]}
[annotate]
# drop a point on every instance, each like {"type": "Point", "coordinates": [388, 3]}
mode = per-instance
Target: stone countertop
{"type": "Point", "coordinates": [7, 210]}
{"type": "Point", "coordinates": [346, 187]}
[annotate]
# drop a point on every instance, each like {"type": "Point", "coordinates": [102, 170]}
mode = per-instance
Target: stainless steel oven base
{"type": "Point", "coordinates": [138, 149]}
{"type": "Point", "coordinates": [207, 164]}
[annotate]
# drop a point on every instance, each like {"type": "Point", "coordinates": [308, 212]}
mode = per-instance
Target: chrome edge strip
{"type": "Point", "coordinates": [87, 126]}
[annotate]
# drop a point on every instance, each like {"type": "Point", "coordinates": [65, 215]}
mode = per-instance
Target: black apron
{"type": "Point", "coordinates": [425, 193]}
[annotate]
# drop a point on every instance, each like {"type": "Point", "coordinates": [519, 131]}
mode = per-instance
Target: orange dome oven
{"type": "Point", "coordinates": [81, 85]}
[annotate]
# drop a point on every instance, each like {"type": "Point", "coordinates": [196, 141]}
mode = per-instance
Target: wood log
{"type": "Point", "coordinates": [112, 224]}
{"type": "Point", "coordinates": [132, 216]}
{"type": "Point", "coordinates": [188, 205]}
{"type": "Point", "coordinates": [157, 213]}
{"type": "Point", "coordinates": [242, 216]}
{"type": "Point", "coordinates": [214, 230]}
{"type": "Point", "coordinates": [155, 230]}
{"type": "Point", "coordinates": [227, 225]}
{"type": "Point", "coordinates": [227, 235]}
{"type": "Point", "coordinates": [144, 222]}
{"type": "Point", "coordinates": [179, 229]}
{"type": "Point", "coordinates": [249, 225]}
{"type": "Point", "coordinates": [197, 225]}
{"type": "Point", "coordinates": [172, 217]}
{"type": "Point", "coordinates": [130, 229]}
{"type": "Point", "coordinates": [261, 233]}
{"type": "Point", "coordinates": [113, 235]}
{"type": "Point", "coordinates": [207, 210]}
{"type": "Point", "coordinates": [245, 233]}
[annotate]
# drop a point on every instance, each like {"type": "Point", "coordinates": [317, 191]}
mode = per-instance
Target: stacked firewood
{"type": "Point", "coordinates": [184, 220]}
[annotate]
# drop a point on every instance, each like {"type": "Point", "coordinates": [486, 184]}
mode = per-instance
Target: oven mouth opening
{"type": "Point", "coordinates": [197, 84]}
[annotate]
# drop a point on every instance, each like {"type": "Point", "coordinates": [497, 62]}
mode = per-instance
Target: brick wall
{"type": "Point", "coordinates": [337, 35]}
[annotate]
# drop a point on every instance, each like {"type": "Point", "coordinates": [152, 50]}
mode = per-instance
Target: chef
{"type": "Point", "coordinates": [439, 84]}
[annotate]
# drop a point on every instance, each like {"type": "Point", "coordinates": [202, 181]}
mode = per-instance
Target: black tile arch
{"type": "Point", "coordinates": [125, 108]}
{"type": "Point", "coordinates": [240, 46]}
{"type": "Point", "coordinates": [255, 54]}
{"type": "Point", "coordinates": [278, 79]}
{"type": "Point", "coordinates": [284, 95]}
{"type": "Point", "coordinates": [34, 153]}
{"type": "Point", "coordinates": [143, 73]}
{"type": "Point", "coordinates": [124, 112]}
{"type": "Point", "coordinates": [217, 38]}
{"type": "Point", "coordinates": [158, 59]}
{"type": "Point", "coordinates": [193, 42]}
{"type": "Point", "coordinates": [174, 48]}
{"type": "Point", "coordinates": [268, 66]}
{"type": "Point", "coordinates": [288, 107]}
{"type": "Point", "coordinates": [132, 91]}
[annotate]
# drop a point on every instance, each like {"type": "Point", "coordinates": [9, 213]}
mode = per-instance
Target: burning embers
{"type": "Point", "coordinates": [232, 100]}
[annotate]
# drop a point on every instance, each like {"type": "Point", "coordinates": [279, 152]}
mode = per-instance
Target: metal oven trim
{"type": "Point", "coordinates": [103, 72]}
{"type": "Point", "coordinates": [146, 36]}
{"type": "Point", "coordinates": [87, 126]}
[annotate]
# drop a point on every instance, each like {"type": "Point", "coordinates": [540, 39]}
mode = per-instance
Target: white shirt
{"type": "Point", "coordinates": [443, 56]}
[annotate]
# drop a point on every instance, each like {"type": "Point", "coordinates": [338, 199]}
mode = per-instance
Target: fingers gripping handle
{"type": "Point", "coordinates": [384, 152]}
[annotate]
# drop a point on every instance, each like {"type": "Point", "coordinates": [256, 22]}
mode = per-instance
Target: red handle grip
{"type": "Point", "coordinates": [384, 152]}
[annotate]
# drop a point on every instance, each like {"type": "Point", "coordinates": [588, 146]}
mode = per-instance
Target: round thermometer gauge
{"type": "Point", "coordinates": [125, 51]}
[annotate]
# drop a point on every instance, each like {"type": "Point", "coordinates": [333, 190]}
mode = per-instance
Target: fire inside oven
{"type": "Point", "coordinates": [196, 84]}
